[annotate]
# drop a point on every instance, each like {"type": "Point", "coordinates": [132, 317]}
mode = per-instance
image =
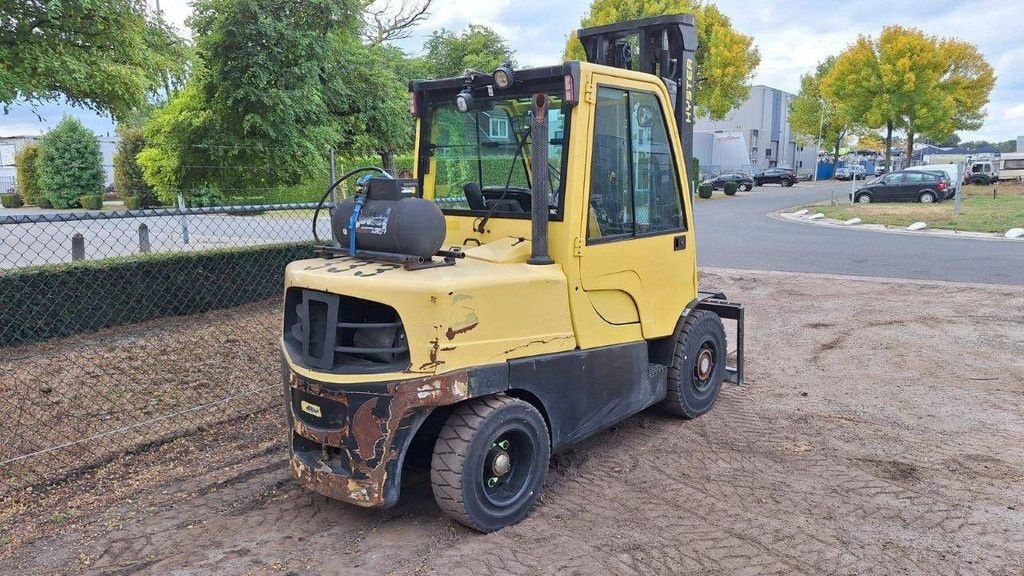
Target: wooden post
{"type": "Point", "coordinates": [77, 247]}
{"type": "Point", "coordinates": [143, 239]}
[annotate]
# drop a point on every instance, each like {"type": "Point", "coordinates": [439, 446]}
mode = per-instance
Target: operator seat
{"type": "Point", "coordinates": [474, 197]}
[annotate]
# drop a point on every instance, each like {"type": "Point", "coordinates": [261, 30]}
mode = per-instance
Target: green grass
{"type": "Point", "coordinates": [979, 212]}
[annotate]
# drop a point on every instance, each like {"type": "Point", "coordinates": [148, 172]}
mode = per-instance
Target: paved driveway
{"type": "Point", "coordinates": [737, 233]}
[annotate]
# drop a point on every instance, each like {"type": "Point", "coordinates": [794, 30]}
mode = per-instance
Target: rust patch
{"type": "Point", "coordinates": [373, 434]}
{"type": "Point", "coordinates": [366, 429]}
{"type": "Point", "coordinates": [453, 332]}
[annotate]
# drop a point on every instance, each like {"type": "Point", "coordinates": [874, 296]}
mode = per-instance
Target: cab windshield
{"type": "Point", "coordinates": [481, 159]}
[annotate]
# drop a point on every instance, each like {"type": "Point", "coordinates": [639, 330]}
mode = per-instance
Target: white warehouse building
{"type": "Point", "coordinates": [763, 121]}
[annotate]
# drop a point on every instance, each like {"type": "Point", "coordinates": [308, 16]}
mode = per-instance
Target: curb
{"type": "Point", "coordinates": [785, 215]}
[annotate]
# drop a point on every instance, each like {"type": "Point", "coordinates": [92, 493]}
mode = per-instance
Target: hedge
{"type": "Point", "coordinates": [704, 190]}
{"type": "Point", "coordinates": [730, 188]}
{"type": "Point", "coordinates": [58, 301]}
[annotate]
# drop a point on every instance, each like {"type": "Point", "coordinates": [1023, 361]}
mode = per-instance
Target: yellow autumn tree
{"type": "Point", "coordinates": [911, 81]}
{"type": "Point", "coordinates": [725, 59]}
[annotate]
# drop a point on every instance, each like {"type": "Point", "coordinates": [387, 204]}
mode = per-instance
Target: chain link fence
{"type": "Point", "coordinates": [126, 328]}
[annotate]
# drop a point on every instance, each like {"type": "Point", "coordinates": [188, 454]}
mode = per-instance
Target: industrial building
{"type": "Point", "coordinates": [762, 122]}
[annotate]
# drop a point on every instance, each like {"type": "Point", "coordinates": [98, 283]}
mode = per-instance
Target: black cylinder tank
{"type": "Point", "coordinates": [411, 226]}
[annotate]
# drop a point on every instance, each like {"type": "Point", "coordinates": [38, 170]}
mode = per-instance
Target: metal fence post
{"type": "Point", "coordinates": [77, 247]}
{"type": "Point", "coordinates": [143, 239]}
{"type": "Point", "coordinates": [334, 192]}
{"type": "Point", "coordinates": [184, 219]}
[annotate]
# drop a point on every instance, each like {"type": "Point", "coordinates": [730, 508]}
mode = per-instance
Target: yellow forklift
{"type": "Point", "coordinates": [535, 282]}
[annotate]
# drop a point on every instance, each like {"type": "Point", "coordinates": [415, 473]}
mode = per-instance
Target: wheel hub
{"type": "Point", "coordinates": [705, 364]}
{"type": "Point", "coordinates": [502, 463]}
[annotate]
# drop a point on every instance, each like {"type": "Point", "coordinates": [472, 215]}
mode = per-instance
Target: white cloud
{"type": "Point", "coordinates": [1014, 112]}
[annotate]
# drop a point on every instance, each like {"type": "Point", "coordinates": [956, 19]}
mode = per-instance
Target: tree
{"type": "Point", "coordinates": [128, 177]}
{"type": "Point", "coordinates": [815, 113]}
{"type": "Point", "coordinates": [27, 171]}
{"type": "Point", "coordinates": [477, 47]}
{"type": "Point", "coordinates": [908, 80]}
{"type": "Point", "coordinates": [725, 59]}
{"type": "Point", "coordinates": [275, 85]}
{"type": "Point", "coordinates": [70, 164]}
{"type": "Point", "coordinates": [384, 22]}
{"type": "Point", "coordinates": [104, 55]}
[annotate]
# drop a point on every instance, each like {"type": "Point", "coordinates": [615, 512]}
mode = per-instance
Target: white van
{"type": "Point", "coordinates": [1011, 166]}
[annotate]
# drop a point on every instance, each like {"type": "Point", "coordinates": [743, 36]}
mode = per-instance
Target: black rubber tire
{"type": "Point", "coordinates": [922, 195]}
{"type": "Point", "coordinates": [748, 187]}
{"type": "Point", "coordinates": [787, 183]}
{"type": "Point", "coordinates": [863, 195]}
{"type": "Point", "coordinates": [461, 452]}
{"type": "Point", "coordinates": [684, 398]}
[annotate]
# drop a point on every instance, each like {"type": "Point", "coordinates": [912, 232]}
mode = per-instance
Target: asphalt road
{"type": "Point", "coordinates": [738, 233]}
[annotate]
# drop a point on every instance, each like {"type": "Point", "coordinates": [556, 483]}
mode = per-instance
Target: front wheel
{"type": "Point", "coordinates": [863, 198]}
{"type": "Point", "coordinates": [490, 461]}
{"type": "Point", "coordinates": [926, 197]}
{"type": "Point", "coordinates": [748, 187]}
{"type": "Point", "coordinates": [698, 365]}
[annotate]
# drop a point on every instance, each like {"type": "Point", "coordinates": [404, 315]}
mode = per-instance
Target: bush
{"type": "Point", "coordinates": [204, 198]}
{"type": "Point", "coordinates": [148, 287]}
{"type": "Point", "coordinates": [132, 202]}
{"type": "Point", "coordinates": [45, 203]}
{"type": "Point", "coordinates": [694, 169]}
{"type": "Point", "coordinates": [10, 201]}
{"type": "Point", "coordinates": [69, 164]}
{"type": "Point", "coordinates": [128, 180]}
{"type": "Point", "coordinates": [26, 167]}
{"type": "Point", "coordinates": [91, 202]}
{"type": "Point", "coordinates": [731, 188]}
{"type": "Point", "coordinates": [704, 190]}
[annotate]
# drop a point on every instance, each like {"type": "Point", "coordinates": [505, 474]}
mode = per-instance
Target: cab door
{"type": "Point", "coordinates": [637, 263]}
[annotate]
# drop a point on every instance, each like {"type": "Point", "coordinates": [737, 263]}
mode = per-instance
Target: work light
{"type": "Point", "coordinates": [464, 101]}
{"type": "Point", "coordinates": [503, 76]}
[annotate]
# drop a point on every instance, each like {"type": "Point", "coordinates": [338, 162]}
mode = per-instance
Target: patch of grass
{"type": "Point", "coordinates": [62, 517]}
{"type": "Point", "coordinates": [979, 211]}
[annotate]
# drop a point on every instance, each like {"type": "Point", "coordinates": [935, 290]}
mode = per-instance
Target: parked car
{"type": "Point", "coordinates": [851, 172]}
{"type": "Point", "coordinates": [951, 172]}
{"type": "Point", "coordinates": [744, 181]}
{"type": "Point", "coordinates": [905, 186]}
{"type": "Point", "coordinates": [782, 176]}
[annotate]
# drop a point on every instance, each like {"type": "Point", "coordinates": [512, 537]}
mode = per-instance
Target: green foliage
{"type": "Point", "coordinates": [731, 188]}
{"type": "Point", "coordinates": [91, 202]}
{"type": "Point", "coordinates": [908, 80]}
{"type": "Point", "coordinates": [69, 164]}
{"type": "Point", "coordinates": [45, 203]}
{"type": "Point", "coordinates": [254, 119]}
{"type": "Point", "coordinates": [105, 55]}
{"type": "Point", "coordinates": [132, 202]}
{"type": "Point", "coordinates": [477, 47]}
{"type": "Point", "coordinates": [694, 175]}
{"type": "Point", "coordinates": [11, 201]}
{"type": "Point", "coordinates": [128, 178]}
{"type": "Point", "coordinates": [80, 299]}
{"type": "Point", "coordinates": [28, 174]}
{"type": "Point", "coordinates": [725, 59]}
{"type": "Point", "coordinates": [815, 113]}
{"type": "Point", "coordinates": [705, 191]}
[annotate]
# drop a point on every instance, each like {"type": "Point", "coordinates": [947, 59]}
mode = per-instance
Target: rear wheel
{"type": "Point", "coordinates": [926, 197]}
{"type": "Point", "coordinates": [787, 183]}
{"type": "Point", "coordinates": [490, 461]}
{"type": "Point", "coordinates": [698, 365]}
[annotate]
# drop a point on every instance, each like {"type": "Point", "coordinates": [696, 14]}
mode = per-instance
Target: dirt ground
{"type": "Point", "coordinates": [881, 431]}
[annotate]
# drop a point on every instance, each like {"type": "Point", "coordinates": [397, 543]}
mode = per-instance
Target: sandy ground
{"type": "Point", "coordinates": [881, 432]}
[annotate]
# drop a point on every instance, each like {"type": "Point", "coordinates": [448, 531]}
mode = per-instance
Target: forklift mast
{"type": "Point", "coordinates": [664, 46]}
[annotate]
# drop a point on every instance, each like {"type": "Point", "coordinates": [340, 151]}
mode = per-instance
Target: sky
{"type": "Point", "coordinates": [791, 35]}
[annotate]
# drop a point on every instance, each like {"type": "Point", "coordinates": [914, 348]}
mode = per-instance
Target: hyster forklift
{"type": "Point", "coordinates": [533, 283]}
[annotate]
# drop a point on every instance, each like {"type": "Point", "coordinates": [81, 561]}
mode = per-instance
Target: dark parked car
{"type": "Point", "coordinates": [905, 186]}
{"type": "Point", "coordinates": [783, 176]}
{"type": "Point", "coordinates": [742, 180]}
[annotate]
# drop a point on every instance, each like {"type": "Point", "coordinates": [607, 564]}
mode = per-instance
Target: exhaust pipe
{"type": "Point", "coordinates": [540, 194]}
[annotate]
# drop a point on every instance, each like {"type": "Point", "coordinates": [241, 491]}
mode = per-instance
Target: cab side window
{"type": "Point", "coordinates": [611, 198]}
{"type": "Point", "coordinates": [634, 188]}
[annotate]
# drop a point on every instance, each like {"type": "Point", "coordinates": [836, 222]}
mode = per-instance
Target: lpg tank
{"type": "Point", "coordinates": [410, 226]}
